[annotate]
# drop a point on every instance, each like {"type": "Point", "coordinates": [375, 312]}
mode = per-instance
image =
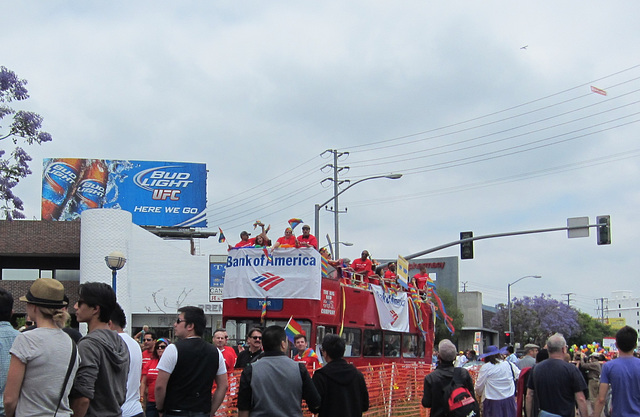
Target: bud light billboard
{"type": "Point", "coordinates": [155, 193]}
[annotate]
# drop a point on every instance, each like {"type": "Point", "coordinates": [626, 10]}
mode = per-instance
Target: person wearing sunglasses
{"type": "Point", "coordinates": [188, 368]}
{"type": "Point", "coordinates": [149, 376]}
{"type": "Point", "coordinates": [254, 340]}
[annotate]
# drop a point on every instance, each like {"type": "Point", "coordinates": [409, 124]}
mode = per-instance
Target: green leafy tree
{"type": "Point", "coordinates": [22, 126]}
{"type": "Point", "coordinates": [591, 330]}
{"type": "Point", "coordinates": [456, 315]}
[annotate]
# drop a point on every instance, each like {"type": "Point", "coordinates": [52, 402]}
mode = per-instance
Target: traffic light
{"type": "Point", "coordinates": [604, 230]}
{"type": "Point", "coordinates": [507, 337]}
{"type": "Point", "coordinates": [466, 248]}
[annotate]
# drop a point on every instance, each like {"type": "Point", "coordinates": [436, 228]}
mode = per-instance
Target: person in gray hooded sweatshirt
{"type": "Point", "coordinates": [99, 388]}
{"type": "Point", "coordinates": [341, 386]}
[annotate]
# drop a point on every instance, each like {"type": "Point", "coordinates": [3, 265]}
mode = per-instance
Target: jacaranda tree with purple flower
{"type": "Point", "coordinates": [18, 126]}
{"type": "Point", "coordinates": [534, 319]}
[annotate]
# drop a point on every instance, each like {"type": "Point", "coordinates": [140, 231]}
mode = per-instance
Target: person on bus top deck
{"type": "Point", "coordinates": [420, 279]}
{"type": "Point", "coordinates": [306, 239]}
{"type": "Point", "coordinates": [390, 273]}
{"type": "Point", "coordinates": [287, 241]}
{"type": "Point", "coordinates": [244, 240]}
{"type": "Point", "coordinates": [362, 266]}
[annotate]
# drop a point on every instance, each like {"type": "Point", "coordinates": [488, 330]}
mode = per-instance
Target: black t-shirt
{"type": "Point", "coordinates": [555, 383]}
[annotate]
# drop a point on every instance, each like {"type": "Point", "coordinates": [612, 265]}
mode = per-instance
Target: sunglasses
{"type": "Point", "coordinates": [161, 347]}
{"type": "Point", "coordinates": [256, 337]}
{"type": "Point", "coordinates": [148, 340]}
{"type": "Point", "coordinates": [179, 320]}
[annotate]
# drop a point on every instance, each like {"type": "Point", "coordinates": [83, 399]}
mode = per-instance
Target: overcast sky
{"type": "Point", "coordinates": [484, 107]}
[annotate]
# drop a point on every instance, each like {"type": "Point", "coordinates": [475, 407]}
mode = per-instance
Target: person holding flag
{"type": "Point", "coordinates": [305, 353]}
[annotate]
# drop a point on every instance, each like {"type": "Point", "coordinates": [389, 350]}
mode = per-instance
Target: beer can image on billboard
{"type": "Point", "coordinates": [156, 193]}
{"type": "Point", "coordinates": [58, 183]}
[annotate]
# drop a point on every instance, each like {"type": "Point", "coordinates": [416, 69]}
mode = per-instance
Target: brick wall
{"type": "Point", "coordinates": [20, 288]}
{"type": "Point", "coordinates": [35, 237]}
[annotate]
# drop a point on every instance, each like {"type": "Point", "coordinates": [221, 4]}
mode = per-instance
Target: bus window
{"type": "Point", "coordinates": [409, 345]}
{"type": "Point", "coordinates": [352, 341]}
{"type": "Point", "coordinates": [372, 341]}
{"type": "Point", "coordinates": [420, 350]}
{"type": "Point", "coordinates": [391, 345]}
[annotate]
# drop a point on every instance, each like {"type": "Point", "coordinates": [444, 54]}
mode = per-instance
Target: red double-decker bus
{"type": "Point", "coordinates": [346, 306]}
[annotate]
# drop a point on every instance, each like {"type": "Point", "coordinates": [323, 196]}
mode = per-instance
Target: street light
{"type": "Point", "coordinates": [509, 295]}
{"type": "Point", "coordinates": [335, 211]}
{"type": "Point", "coordinates": [342, 243]}
{"type": "Point", "coordinates": [115, 261]}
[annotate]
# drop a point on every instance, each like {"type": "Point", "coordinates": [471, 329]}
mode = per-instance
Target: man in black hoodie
{"type": "Point", "coordinates": [341, 386]}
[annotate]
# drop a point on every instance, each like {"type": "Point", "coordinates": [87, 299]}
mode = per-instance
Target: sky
{"type": "Point", "coordinates": [485, 108]}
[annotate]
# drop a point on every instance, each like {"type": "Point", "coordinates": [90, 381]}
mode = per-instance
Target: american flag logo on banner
{"type": "Point", "coordinates": [394, 315]}
{"type": "Point", "coordinates": [267, 281]}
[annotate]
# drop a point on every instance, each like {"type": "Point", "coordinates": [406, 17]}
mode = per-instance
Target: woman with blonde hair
{"type": "Point", "coordinates": [44, 360]}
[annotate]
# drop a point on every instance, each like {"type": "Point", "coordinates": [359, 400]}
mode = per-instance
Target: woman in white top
{"type": "Point", "coordinates": [496, 384]}
{"type": "Point", "coordinates": [40, 358]}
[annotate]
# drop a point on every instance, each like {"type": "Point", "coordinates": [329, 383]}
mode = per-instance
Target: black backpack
{"type": "Point", "coordinates": [459, 401]}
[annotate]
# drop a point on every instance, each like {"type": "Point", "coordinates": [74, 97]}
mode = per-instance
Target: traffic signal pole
{"type": "Point", "coordinates": [600, 227]}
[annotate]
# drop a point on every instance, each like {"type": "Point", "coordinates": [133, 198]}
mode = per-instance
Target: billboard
{"type": "Point", "coordinates": [156, 193]}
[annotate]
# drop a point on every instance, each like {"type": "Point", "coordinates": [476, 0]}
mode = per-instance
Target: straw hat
{"type": "Point", "coordinates": [46, 292]}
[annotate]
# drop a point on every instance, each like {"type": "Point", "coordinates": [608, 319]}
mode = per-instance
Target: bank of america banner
{"type": "Point", "coordinates": [156, 193]}
{"type": "Point", "coordinates": [283, 273]}
{"type": "Point", "coordinates": [393, 309]}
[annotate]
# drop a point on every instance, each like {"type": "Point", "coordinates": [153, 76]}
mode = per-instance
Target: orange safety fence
{"type": "Point", "coordinates": [395, 389]}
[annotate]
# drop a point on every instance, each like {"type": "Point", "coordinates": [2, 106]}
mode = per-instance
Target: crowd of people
{"type": "Point", "coordinates": [544, 382]}
{"type": "Point", "coordinates": [44, 371]}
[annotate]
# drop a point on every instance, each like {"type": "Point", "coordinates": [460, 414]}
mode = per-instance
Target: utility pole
{"type": "Point", "coordinates": [464, 286]}
{"type": "Point", "coordinates": [601, 309]}
{"type": "Point", "coordinates": [569, 297]}
{"type": "Point", "coordinates": [336, 193]}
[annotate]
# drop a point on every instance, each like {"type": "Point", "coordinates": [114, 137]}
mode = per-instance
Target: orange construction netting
{"type": "Point", "coordinates": [395, 389]}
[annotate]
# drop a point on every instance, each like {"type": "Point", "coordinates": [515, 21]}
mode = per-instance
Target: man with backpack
{"type": "Point", "coordinates": [448, 391]}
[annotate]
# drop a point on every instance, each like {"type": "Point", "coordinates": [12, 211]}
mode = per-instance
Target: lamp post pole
{"type": "Point", "coordinates": [336, 193]}
{"type": "Point", "coordinates": [115, 261]}
{"type": "Point", "coordinates": [509, 296]}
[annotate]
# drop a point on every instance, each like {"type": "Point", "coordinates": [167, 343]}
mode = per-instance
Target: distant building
{"type": "Point", "coordinates": [623, 310]}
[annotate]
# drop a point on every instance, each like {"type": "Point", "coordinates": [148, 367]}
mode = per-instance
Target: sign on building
{"type": "Point", "coordinates": [156, 193]}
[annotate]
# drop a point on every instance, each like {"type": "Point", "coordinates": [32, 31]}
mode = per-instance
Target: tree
{"type": "Point", "coordinates": [452, 310]}
{"type": "Point", "coordinates": [591, 330]}
{"type": "Point", "coordinates": [24, 126]}
{"type": "Point", "coordinates": [534, 319]}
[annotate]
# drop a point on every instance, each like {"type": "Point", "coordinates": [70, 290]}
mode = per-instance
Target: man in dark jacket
{"type": "Point", "coordinates": [342, 389]}
{"type": "Point", "coordinates": [437, 381]}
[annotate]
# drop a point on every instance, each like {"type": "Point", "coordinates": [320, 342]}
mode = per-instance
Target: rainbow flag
{"type": "Point", "coordinates": [325, 266]}
{"type": "Point", "coordinates": [292, 329]}
{"type": "Point", "coordinates": [221, 238]}
{"type": "Point", "coordinates": [264, 310]}
{"type": "Point", "coordinates": [294, 222]}
{"type": "Point", "coordinates": [309, 353]}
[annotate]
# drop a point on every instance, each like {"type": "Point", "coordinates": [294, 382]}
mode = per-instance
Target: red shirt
{"type": "Point", "coordinates": [308, 361]}
{"type": "Point", "coordinates": [146, 356]}
{"type": "Point", "coordinates": [244, 243]}
{"type": "Point", "coordinates": [150, 369]}
{"type": "Point", "coordinates": [311, 240]}
{"type": "Point", "coordinates": [287, 242]}
{"type": "Point", "coordinates": [388, 274]}
{"type": "Point", "coordinates": [421, 280]}
{"type": "Point", "coordinates": [362, 267]}
{"type": "Point", "coordinates": [230, 357]}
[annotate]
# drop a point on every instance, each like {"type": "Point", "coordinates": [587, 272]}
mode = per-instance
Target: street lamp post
{"type": "Point", "coordinates": [509, 295]}
{"type": "Point", "coordinates": [336, 193]}
{"type": "Point", "coordinates": [115, 261]}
